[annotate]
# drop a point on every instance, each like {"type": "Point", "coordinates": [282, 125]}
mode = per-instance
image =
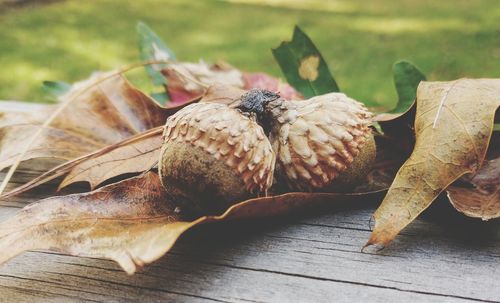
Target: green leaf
{"type": "Point", "coordinates": [152, 48]}
{"type": "Point", "coordinates": [496, 127]}
{"type": "Point", "coordinates": [407, 77]}
{"type": "Point", "coordinates": [161, 97]}
{"type": "Point", "coordinates": [303, 66]}
{"type": "Point", "coordinates": [56, 88]}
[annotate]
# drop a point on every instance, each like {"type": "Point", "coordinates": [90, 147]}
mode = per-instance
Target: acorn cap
{"type": "Point", "coordinates": [315, 140]}
{"type": "Point", "coordinates": [229, 136]}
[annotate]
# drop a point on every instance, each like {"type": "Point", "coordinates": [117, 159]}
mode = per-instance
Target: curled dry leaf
{"type": "Point", "coordinates": [136, 225]}
{"type": "Point", "coordinates": [52, 143]}
{"type": "Point", "coordinates": [105, 109]}
{"type": "Point", "coordinates": [186, 80]}
{"type": "Point", "coordinates": [134, 155]}
{"type": "Point", "coordinates": [453, 125]}
{"type": "Point", "coordinates": [133, 226]}
{"type": "Point", "coordinates": [17, 127]}
{"type": "Point", "coordinates": [481, 197]}
{"type": "Point", "coordinates": [108, 109]}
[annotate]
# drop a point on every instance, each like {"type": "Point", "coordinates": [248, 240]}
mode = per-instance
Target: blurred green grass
{"type": "Point", "coordinates": [67, 40]}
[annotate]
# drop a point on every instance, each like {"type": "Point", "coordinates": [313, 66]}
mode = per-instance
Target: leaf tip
{"type": "Point", "coordinates": [141, 26]}
{"type": "Point", "coordinates": [296, 29]}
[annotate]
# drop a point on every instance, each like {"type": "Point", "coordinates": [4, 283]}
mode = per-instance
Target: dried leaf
{"type": "Point", "coordinates": [225, 94]}
{"type": "Point", "coordinates": [481, 198]}
{"type": "Point", "coordinates": [15, 113]}
{"type": "Point", "coordinates": [133, 155]}
{"type": "Point", "coordinates": [52, 143]}
{"type": "Point", "coordinates": [130, 156]}
{"type": "Point", "coordinates": [189, 79]}
{"type": "Point", "coordinates": [462, 112]}
{"type": "Point", "coordinates": [304, 67]}
{"type": "Point", "coordinates": [105, 109]}
{"type": "Point", "coordinates": [186, 80]}
{"type": "Point", "coordinates": [108, 109]}
{"type": "Point", "coordinates": [131, 222]}
{"type": "Point", "coordinates": [136, 225]}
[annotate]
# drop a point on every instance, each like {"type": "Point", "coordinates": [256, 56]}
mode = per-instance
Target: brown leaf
{"type": "Point", "coordinates": [129, 156]}
{"type": "Point", "coordinates": [134, 224]}
{"type": "Point", "coordinates": [134, 155]}
{"type": "Point", "coordinates": [52, 143]}
{"type": "Point", "coordinates": [131, 222]}
{"type": "Point", "coordinates": [481, 198]}
{"type": "Point", "coordinates": [186, 80]}
{"type": "Point", "coordinates": [453, 125]}
{"type": "Point", "coordinates": [108, 109]}
{"type": "Point", "coordinates": [103, 111]}
{"type": "Point", "coordinates": [14, 113]}
{"type": "Point", "coordinates": [19, 121]}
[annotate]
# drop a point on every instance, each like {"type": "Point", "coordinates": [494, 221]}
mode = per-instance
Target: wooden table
{"type": "Point", "coordinates": [314, 257]}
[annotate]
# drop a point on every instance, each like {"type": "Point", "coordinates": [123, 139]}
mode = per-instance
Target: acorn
{"type": "Point", "coordinates": [213, 156]}
{"type": "Point", "coordinates": [322, 144]}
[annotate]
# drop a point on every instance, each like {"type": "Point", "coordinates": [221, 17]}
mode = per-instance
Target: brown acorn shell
{"type": "Point", "coordinates": [315, 140]}
{"type": "Point", "coordinates": [227, 135]}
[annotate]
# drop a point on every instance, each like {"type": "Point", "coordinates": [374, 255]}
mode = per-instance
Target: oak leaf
{"type": "Point", "coordinates": [453, 126]}
{"type": "Point", "coordinates": [186, 80]}
{"type": "Point", "coordinates": [479, 197]}
{"type": "Point", "coordinates": [131, 222]}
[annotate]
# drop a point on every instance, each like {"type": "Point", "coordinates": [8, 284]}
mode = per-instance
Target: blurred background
{"type": "Point", "coordinates": [360, 39]}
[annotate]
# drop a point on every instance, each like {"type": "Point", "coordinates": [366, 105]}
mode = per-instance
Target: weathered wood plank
{"type": "Point", "coordinates": [315, 257]}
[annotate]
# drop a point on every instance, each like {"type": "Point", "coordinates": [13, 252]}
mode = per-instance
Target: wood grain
{"type": "Point", "coordinates": [314, 257]}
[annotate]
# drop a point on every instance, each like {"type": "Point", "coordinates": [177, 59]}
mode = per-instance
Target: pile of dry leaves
{"type": "Point", "coordinates": [439, 139]}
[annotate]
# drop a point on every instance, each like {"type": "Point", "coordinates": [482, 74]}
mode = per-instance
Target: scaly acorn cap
{"type": "Point", "coordinates": [315, 140]}
{"type": "Point", "coordinates": [227, 135]}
